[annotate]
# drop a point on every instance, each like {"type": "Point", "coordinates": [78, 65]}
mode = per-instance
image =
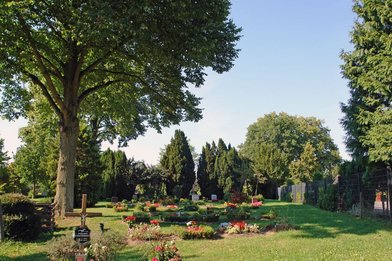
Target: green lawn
{"type": "Point", "coordinates": [322, 236]}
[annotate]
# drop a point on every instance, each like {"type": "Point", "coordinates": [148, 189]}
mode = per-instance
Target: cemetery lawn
{"type": "Point", "coordinates": [322, 236]}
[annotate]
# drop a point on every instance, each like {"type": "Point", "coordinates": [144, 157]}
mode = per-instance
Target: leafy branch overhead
{"type": "Point", "coordinates": [143, 55]}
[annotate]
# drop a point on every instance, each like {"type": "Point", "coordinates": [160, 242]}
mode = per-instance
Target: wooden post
{"type": "Point", "coordinates": [83, 214]}
{"type": "Point", "coordinates": [1, 224]}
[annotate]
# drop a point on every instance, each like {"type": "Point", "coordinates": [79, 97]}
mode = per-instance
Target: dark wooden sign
{"type": "Point", "coordinates": [82, 234]}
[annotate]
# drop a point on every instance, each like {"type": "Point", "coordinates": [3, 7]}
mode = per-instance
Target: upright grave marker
{"type": "Point", "coordinates": [82, 233]}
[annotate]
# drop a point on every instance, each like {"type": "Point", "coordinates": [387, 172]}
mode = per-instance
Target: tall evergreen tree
{"type": "Point", "coordinates": [177, 163]}
{"type": "Point", "coordinates": [88, 179]}
{"type": "Point", "coordinates": [368, 113]}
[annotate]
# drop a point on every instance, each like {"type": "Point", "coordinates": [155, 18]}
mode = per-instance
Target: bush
{"type": "Point", "coordinates": [103, 247]}
{"type": "Point", "coordinates": [190, 208]}
{"type": "Point", "coordinates": [152, 208]}
{"type": "Point", "coordinates": [259, 197]}
{"type": "Point", "coordinates": [20, 221]}
{"type": "Point", "coordinates": [142, 217]}
{"type": "Point", "coordinates": [237, 213]}
{"type": "Point", "coordinates": [139, 207]}
{"type": "Point", "coordinates": [178, 218]}
{"type": "Point", "coordinates": [198, 232]}
{"type": "Point", "coordinates": [328, 199]}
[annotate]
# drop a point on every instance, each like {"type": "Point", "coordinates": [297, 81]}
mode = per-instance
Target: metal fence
{"type": "Point", "coordinates": [362, 194]}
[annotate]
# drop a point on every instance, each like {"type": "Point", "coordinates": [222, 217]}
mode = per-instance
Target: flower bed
{"type": "Point", "coordinates": [165, 251]}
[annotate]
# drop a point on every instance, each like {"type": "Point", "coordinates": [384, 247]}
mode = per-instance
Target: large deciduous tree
{"type": "Point", "coordinates": [368, 113]}
{"type": "Point", "coordinates": [178, 165]}
{"type": "Point", "coordinates": [277, 141]}
{"type": "Point", "coordinates": [130, 62]}
{"type": "Point", "coordinates": [3, 166]}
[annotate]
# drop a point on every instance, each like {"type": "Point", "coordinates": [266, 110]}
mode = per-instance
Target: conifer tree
{"type": "Point", "coordinates": [178, 165]}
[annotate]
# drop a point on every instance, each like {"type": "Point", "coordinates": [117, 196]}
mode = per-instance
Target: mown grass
{"type": "Point", "coordinates": [322, 236]}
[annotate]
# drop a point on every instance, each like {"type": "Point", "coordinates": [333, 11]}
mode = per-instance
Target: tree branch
{"type": "Point", "coordinates": [87, 92]}
{"type": "Point", "coordinates": [45, 92]}
{"type": "Point", "coordinates": [94, 64]}
{"type": "Point", "coordinates": [56, 97]}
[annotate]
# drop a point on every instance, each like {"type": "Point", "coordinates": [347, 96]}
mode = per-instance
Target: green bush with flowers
{"type": "Point", "coordinates": [165, 251]}
{"type": "Point", "coordinates": [195, 231]}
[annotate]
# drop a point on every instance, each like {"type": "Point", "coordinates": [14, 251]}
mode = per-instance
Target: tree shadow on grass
{"type": "Point", "coordinates": [317, 223]}
{"type": "Point", "coordinates": [33, 257]}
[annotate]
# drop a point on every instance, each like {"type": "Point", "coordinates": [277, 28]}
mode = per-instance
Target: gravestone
{"type": "Point", "coordinates": [195, 197]}
{"type": "Point", "coordinates": [114, 200]}
{"type": "Point", "coordinates": [214, 197]}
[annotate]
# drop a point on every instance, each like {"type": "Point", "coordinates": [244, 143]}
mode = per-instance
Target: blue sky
{"type": "Point", "coordinates": [289, 62]}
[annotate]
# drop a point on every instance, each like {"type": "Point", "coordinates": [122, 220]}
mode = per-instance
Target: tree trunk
{"type": "Point", "coordinates": [64, 199]}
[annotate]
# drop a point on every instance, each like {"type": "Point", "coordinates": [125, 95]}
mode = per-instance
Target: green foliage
{"type": "Point", "coordinates": [221, 170]}
{"type": "Point", "coordinates": [4, 175]}
{"type": "Point", "coordinates": [277, 141]}
{"type": "Point", "coordinates": [198, 232]}
{"type": "Point", "coordinates": [88, 178]}
{"type": "Point", "coordinates": [20, 221]}
{"type": "Point", "coordinates": [113, 61]}
{"type": "Point", "coordinates": [177, 163]}
{"type": "Point", "coordinates": [102, 247]}
{"type": "Point", "coordinates": [239, 213]}
{"type": "Point", "coordinates": [368, 113]}
{"type": "Point", "coordinates": [328, 199]}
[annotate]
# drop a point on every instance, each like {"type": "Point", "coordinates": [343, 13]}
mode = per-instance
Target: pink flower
{"type": "Point", "coordinates": [154, 259]}
{"type": "Point", "coordinates": [158, 248]}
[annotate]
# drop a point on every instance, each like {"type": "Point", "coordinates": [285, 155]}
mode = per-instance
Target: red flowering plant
{"type": "Point", "coordinates": [130, 220]}
{"type": "Point", "coordinates": [154, 222]}
{"type": "Point", "coordinates": [230, 205]}
{"type": "Point", "coordinates": [256, 204]}
{"type": "Point", "coordinates": [165, 251]}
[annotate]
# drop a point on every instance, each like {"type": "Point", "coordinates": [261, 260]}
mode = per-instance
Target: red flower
{"type": "Point", "coordinates": [130, 218]}
{"type": "Point", "coordinates": [154, 222]}
{"type": "Point", "coordinates": [154, 259]}
{"type": "Point", "coordinates": [156, 205]}
{"type": "Point", "coordinates": [240, 224]}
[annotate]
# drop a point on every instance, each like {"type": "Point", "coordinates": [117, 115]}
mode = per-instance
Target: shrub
{"type": "Point", "coordinates": [178, 218]}
{"type": "Point", "coordinates": [152, 208]}
{"type": "Point", "coordinates": [198, 232]}
{"type": "Point", "coordinates": [165, 251]}
{"type": "Point", "coordinates": [139, 207]}
{"type": "Point", "coordinates": [259, 197]}
{"type": "Point", "coordinates": [190, 208]}
{"type": "Point", "coordinates": [103, 247]}
{"type": "Point", "coordinates": [20, 221]}
{"type": "Point", "coordinates": [237, 213]}
{"type": "Point", "coordinates": [142, 217]}
{"type": "Point", "coordinates": [328, 199]}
